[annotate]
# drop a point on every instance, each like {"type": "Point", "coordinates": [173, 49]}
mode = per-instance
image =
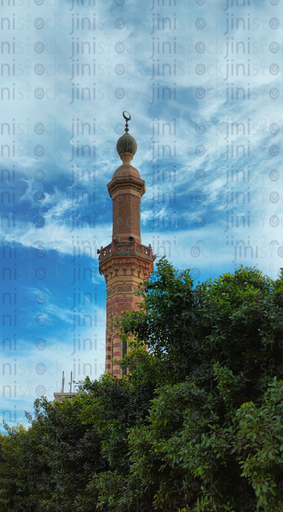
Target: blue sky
{"type": "Point", "coordinates": [203, 83]}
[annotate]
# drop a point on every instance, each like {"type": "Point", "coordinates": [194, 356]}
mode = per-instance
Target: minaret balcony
{"type": "Point", "coordinates": [119, 248]}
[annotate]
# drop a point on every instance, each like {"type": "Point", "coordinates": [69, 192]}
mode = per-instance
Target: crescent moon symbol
{"type": "Point", "coordinates": [128, 118]}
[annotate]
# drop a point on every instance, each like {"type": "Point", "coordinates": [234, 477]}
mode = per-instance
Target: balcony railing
{"type": "Point", "coordinates": [127, 247]}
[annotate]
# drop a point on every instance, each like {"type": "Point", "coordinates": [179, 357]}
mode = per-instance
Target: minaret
{"type": "Point", "coordinates": [125, 262]}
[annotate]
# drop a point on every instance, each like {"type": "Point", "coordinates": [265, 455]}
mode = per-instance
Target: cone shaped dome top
{"type": "Point", "coordinates": [126, 144]}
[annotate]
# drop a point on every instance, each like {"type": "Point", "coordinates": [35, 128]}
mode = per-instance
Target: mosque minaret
{"type": "Point", "coordinates": [125, 262]}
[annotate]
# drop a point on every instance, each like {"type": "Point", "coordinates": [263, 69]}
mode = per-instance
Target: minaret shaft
{"type": "Point", "coordinates": [123, 271]}
{"type": "Point", "coordinates": [126, 214]}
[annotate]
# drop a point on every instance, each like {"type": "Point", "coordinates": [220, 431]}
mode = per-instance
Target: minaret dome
{"type": "Point", "coordinates": [126, 145]}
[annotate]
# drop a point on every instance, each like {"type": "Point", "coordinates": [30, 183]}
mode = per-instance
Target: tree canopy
{"type": "Point", "coordinates": [195, 424]}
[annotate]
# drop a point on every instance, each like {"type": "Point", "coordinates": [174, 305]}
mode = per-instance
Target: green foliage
{"type": "Point", "coordinates": [195, 424]}
{"type": "Point", "coordinates": [258, 445]}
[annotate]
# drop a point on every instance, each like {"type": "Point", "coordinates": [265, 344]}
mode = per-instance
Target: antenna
{"type": "Point", "coordinates": [63, 383]}
{"type": "Point", "coordinates": [71, 382]}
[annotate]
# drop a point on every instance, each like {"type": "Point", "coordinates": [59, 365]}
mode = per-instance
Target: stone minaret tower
{"type": "Point", "coordinates": [125, 262]}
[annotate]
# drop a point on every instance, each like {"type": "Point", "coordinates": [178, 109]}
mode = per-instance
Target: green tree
{"type": "Point", "coordinates": [72, 451]}
{"type": "Point", "coordinates": [195, 424]}
{"type": "Point", "coordinates": [120, 406]}
{"type": "Point", "coordinates": [12, 492]}
{"type": "Point", "coordinates": [221, 344]}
